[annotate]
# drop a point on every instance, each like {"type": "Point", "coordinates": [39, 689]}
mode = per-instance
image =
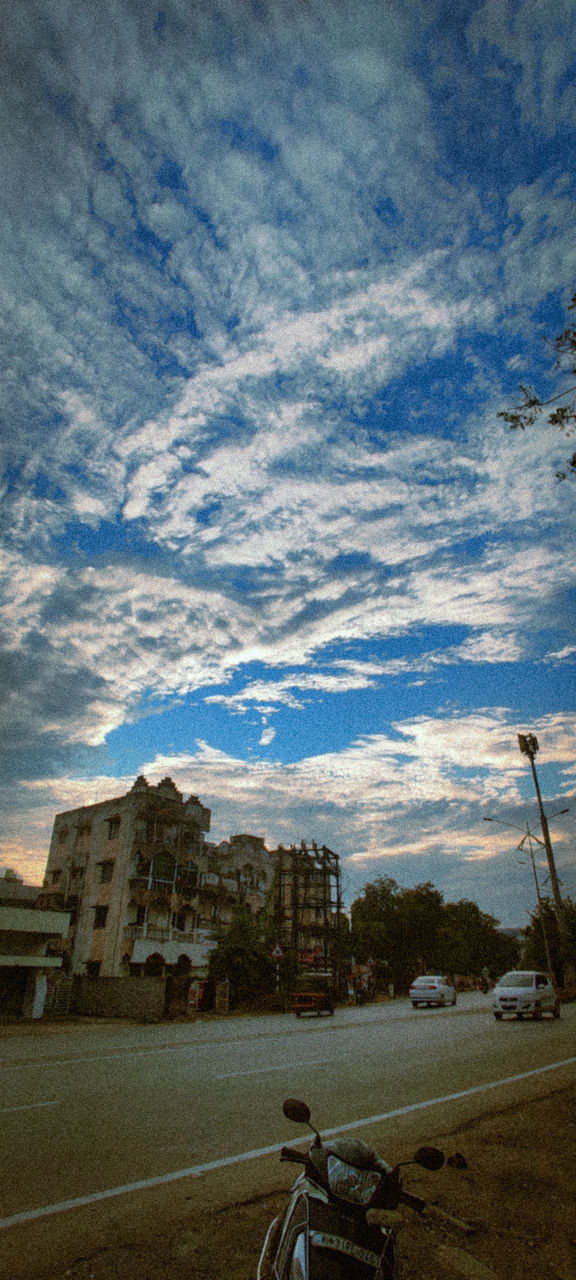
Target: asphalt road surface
{"type": "Point", "coordinates": [106, 1125]}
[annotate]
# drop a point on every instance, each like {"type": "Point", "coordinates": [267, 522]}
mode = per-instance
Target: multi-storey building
{"type": "Point", "coordinates": [144, 887]}
{"type": "Point", "coordinates": [147, 892]}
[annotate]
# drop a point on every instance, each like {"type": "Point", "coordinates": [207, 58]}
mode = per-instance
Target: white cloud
{"type": "Point", "coordinates": [262, 297]}
{"type": "Point", "coordinates": [540, 44]}
{"type": "Point", "coordinates": [386, 803]}
{"type": "Point", "coordinates": [568, 652]}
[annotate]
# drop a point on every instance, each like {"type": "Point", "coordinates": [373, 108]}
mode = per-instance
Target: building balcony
{"type": "Point", "coordinates": [145, 889]}
{"type": "Point", "coordinates": [155, 934]}
{"type": "Point", "coordinates": [144, 882]}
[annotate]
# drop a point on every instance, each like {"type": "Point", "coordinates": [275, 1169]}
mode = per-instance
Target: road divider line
{"type": "Point", "coordinates": [196, 1171]}
{"type": "Point", "coordinates": [28, 1106]}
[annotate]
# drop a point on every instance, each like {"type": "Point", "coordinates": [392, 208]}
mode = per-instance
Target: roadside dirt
{"type": "Point", "coordinates": [517, 1196]}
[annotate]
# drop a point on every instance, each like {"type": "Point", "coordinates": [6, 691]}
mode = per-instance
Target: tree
{"type": "Point", "coordinates": [563, 415]}
{"type": "Point", "coordinates": [375, 929]}
{"type": "Point", "coordinates": [421, 930]}
{"type": "Point", "coordinates": [411, 931]}
{"type": "Point", "coordinates": [399, 929]}
{"type": "Point", "coordinates": [474, 942]}
{"type": "Point", "coordinates": [243, 957]}
{"type": "Point", "coordinates": [544, 921]}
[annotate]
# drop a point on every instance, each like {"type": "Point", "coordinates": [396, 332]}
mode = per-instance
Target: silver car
{"type": "Point", "coordinates": [524, 993]}
{"type": "Point", "coordinates": [432, 989]}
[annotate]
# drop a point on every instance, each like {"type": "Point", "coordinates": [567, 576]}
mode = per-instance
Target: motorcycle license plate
{"type": "Point", "coordinates": [326, 1240]}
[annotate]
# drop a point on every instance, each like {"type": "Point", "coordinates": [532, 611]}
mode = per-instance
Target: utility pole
{"type": "Point", "coordinates": [528, 744]}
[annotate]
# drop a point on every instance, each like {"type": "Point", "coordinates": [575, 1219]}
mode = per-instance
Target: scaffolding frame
{"type": "Point", "coordinates": [309, 905]}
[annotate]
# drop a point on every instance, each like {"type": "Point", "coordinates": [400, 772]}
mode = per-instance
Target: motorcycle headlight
{"type": "Point", "coordinates": [355, 1185]}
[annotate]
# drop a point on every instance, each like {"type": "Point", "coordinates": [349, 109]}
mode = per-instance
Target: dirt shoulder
{"type": "Point", "coordinates": [516, 1195]}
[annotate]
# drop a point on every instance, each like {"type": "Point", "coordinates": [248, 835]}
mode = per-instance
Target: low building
{"type": "Point", "coordinates": [14, 892]}
{"type": "Point", "coordinates": [31, 942]}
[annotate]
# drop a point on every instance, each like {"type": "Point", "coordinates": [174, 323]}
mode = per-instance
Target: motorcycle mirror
{"type": "Point", "coordinates": [297, 1111]}
{"type": "Point", "coordinates": [429, 1157]}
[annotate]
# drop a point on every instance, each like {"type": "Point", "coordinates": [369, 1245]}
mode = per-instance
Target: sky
{"type": "Point", "coordinates": [270, 270]}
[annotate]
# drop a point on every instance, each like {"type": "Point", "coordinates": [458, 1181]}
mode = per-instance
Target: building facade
{"type": "Point", "coordinates": [143, 885]}
{"type": "Point", "coordinates": [147, 891]}
{"type": "Point", "coordinates": [31, 944]}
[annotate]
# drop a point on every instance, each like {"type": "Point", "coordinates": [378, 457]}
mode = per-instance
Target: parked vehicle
{"type": "Point", "coordinates": [314, 994]}
{"type": "Point", "coordinates": [432, 989]}
{"type": "Point", "coordinates": [525, 993]}
{"type": "Point", "coordinates": [339, 1223]}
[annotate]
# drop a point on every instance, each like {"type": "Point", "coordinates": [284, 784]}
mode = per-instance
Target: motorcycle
{"type": "Point", "coordinates": [340, 1222]}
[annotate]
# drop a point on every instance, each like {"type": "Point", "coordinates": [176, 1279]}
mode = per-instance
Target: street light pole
{"type": "Point", "coordinates": [528, 744]}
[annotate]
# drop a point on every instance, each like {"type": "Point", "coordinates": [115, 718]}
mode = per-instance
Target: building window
{"type": "Point", "coordinates": [56, 877]}
{"type": "Point", "coordinates": [100, 914]}
{"type": "Point", "coordinates": [179, 921]}
{"type": "Point", "coordinates": [163, 869]}
{"type": "Point", "coordinates": [106, 872]}
{"type": "Point", "coordinates": [62, 835]}
{"type": "Point", "coordinates": [93, 968]}
{"type": "Point", "coordinates": [114, 827]}
{"type": "Point", "coordinates": [140, 916]}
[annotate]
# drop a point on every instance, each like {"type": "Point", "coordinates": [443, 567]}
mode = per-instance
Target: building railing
{"type": "Point", "coordinates": [182, 884]}
{"type": "Point", "coordinates": [163, 935]}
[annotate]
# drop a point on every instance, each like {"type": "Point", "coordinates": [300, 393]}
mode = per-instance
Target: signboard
{"type": "Point", "coordinates": [206, 946]}
{"type": "Point", "coordinates": [277, 952]}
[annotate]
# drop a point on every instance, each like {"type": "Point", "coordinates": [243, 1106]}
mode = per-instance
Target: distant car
{"type": "Point", "coordinates": [432, 989]}
{"type": "Point", "coordinates": [524, 993]}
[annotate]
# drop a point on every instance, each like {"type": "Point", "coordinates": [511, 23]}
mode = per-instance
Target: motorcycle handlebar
{"type": "Point", "coordinates": [290, 1153]}
{"type": "Point", "coordinates": [414, 1202]}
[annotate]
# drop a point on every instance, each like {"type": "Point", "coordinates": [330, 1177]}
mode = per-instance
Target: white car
{"type": "Point", "coordinates": [432, 989]}
{"type": "Point", "coordinates": [524, 993]}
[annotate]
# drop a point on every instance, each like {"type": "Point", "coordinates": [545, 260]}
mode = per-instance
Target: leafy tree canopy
{"type": "Point", "coordinates": [544, 939]}
{"type": "Point", "coordinates": [410, 931]}
{"type": "Point", "coordinates": [243, 956]}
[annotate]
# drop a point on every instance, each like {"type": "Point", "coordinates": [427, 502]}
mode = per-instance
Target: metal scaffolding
{"type": "Point", "coordinates": [308, 904]}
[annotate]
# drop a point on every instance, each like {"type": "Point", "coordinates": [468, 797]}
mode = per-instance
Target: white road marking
{"type": "Point", "coordinates": [196, 1171]}
{"type": "Point", "coordinates": [284, 1066]}
{"type": "Point", "coordinates": [28, 1106]}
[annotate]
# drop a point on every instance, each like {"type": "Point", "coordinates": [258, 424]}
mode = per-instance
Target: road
{"type": "Point", "coordinates": [102, 1125]}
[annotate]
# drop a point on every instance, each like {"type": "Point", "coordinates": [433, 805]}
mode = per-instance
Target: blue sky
{"type": "Point", "coordinates": [270, 270]}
